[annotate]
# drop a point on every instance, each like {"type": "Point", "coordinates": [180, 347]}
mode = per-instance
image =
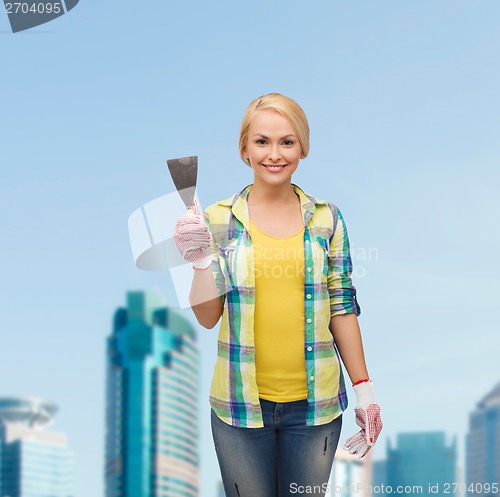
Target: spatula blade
{"type": "Point", "coordinates": [184, 172]}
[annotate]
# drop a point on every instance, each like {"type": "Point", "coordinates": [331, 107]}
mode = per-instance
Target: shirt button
{"type": "Point", "coordinates": [309, 269]}
{"type": "Point", "coordinates": [309, 348]}
{"type": "Point", "coordinates": [311, 378]}
{"type": "Point", "coordinates": [308, 295]}
{"type": "Point", "coordinates": [309, 320]}
{"type": "Point", "coordinates": [307, 241]}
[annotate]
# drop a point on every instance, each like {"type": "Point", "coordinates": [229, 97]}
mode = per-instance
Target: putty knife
{"type": "Point", "coordinates": [184, 172]}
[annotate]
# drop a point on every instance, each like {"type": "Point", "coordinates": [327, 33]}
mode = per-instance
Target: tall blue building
{"type": "Point", "coordinates": [482, 446]}
{"type": "Point", "coordinates": [379, 473]}
{"type": "Point", "coordinates": [152, 402]}
{"type": "Point", "coordinates": [419, 460]}
{"type": "Point", "coordinates": [33, 462]}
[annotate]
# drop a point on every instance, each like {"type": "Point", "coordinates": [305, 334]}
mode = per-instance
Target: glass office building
{"type": "Point", "coordinates": [422, 462]}
{"type": "Point", "coordinates": [33, 462]}
{"type": "Point", "coordinates": [482, 446]}
{"type": "Point", "coordinates": [151, 402]}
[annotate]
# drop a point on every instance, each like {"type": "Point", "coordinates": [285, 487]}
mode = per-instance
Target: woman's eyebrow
{"type": "Point", "coordinates": [263, 136]}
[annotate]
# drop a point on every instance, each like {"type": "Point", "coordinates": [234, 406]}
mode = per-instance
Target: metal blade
{"type": "Point", "coordinates": [184, 172]}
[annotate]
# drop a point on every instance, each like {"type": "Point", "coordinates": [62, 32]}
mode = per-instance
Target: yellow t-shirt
{"type": "Point", "coordinates": [279, 316]}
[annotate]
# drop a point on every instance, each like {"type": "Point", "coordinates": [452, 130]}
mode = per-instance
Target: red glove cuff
{"type": "Point", "coordinates": [360, 381]}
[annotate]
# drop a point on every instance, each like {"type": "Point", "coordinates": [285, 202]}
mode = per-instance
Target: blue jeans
{"type": "Point", "coordinates": [281, 459]}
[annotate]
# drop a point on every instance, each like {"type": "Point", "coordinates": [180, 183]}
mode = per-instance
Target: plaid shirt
{"type": "Point", "coordinates": [328, 291]}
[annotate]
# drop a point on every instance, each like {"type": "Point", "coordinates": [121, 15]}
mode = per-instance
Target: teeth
{"type": "Point", "coordinates": [274, 168]}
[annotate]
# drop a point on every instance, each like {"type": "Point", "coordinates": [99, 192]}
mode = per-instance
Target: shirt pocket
{"type": "Point", "coordinates": [233, 263]}
{"type": "Point", "coordinates": [321, 249]}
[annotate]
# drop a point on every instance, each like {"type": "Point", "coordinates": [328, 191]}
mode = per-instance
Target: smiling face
{"type": "Point", "coordinates": [272, 148]}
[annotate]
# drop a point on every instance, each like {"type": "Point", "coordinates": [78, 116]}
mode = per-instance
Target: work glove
{"type": "Point", "coordinates": [367, 418]}
{"type": "Point", "coordinates": [193, 238]}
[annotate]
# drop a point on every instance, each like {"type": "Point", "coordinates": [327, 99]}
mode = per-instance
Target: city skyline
{"type": "Point", "coordinates": [147, 315]}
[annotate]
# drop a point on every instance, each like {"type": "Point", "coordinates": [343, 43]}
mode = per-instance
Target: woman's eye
{"type": "Point", "coordinates": [286, 142]}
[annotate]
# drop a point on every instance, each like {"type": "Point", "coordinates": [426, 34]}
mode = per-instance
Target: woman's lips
{"type": "Point", "coordinates": [274, 169]}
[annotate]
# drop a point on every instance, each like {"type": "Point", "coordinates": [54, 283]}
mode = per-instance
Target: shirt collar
{"type": "Point", "coordinates": [239, 205]}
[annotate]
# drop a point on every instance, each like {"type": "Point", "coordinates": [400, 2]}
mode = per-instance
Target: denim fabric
{"type": "Point", "coordinates": [279, 459]}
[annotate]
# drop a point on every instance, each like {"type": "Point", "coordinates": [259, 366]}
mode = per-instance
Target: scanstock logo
{"type": "Point", "coordinates": [29, 13]}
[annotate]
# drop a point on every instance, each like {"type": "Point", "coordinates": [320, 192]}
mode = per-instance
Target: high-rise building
{"type": "Point", "coordinates": [482, 446]}
{"type": "Point", "coordinates": [379, 475]}
{"type": "Point", "coordinates": [152, 402]}
{"type": "Point", "coordinates": [33, 462]}
{"type": "Point", "coordinates": [422, 462]}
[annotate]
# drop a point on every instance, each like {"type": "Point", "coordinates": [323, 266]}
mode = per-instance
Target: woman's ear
{"type": "Point", "coordinates": [244, 154]}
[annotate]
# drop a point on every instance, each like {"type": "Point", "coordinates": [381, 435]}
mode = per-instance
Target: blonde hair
{"type": "Point", "coordinates": [285, 106]}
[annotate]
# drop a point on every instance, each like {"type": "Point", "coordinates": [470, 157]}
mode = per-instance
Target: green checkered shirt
{"type": "Point", "coordinates": [328, 291]}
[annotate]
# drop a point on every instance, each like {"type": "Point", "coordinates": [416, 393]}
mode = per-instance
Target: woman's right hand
{"type": "Point", "coordinates": [193, 238]}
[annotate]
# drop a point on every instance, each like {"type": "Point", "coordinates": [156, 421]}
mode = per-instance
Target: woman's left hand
{"type": "Point", "coordinates": [367, 418]}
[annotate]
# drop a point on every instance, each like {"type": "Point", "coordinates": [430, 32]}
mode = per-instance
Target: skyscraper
{"type": "Point", "coordinates": [420, 462]}
{"type": "Point", "coordinates": [482, 446]}
{"type": "Point", "coordinates": [33, 462]}
{"type": "Point", "coordinates": [379, 474]}
{"type": "Point", "coordinates": [151, 406]}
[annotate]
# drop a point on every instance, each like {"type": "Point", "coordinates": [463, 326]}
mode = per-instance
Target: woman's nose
{"type": "Point", "coordinates": [274, 152]}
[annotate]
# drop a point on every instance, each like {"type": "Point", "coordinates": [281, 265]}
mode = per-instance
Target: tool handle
{"type": "Point", "coordinates": [194, 209]}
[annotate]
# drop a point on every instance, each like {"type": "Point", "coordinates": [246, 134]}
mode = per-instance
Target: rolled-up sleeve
{"type": "Point", "coordinates": [343, 299]}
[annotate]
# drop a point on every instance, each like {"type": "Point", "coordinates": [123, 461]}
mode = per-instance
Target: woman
{"type": "Point", "coordinates": [274, 262]}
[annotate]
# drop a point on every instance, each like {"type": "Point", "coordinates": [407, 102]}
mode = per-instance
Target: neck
{"type": "Point", "coordinates": [262, 193]}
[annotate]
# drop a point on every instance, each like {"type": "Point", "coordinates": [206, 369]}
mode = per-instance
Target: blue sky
{"type": "Point", "coordinates": [403, 104]}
